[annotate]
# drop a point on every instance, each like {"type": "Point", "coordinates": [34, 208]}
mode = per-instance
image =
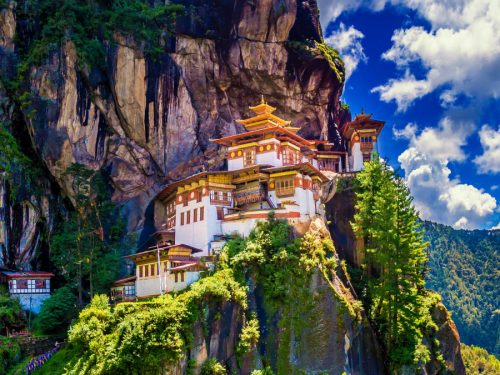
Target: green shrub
{"type": "Point", "coordinates": [213, 367]}
{"type": "Point", "coordinates": [57, 312]}
{"type": "Point", "coordinates": [10, 312]}
{"type": "Point", "coordinates": [264, 371]}
{"type": "Point", "coordinates": [249, 336]}
{"type": "Point", "coordinates": [143, 336]}
{"type": "Point", "coordinates": [9, 353]}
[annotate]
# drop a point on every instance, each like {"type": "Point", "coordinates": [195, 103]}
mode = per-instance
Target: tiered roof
{"type": "Point", "coordinates": [360, 123]}
{"type": "Point", "coordinates": [264, 119]}
{"type": "Point", "coordinates": [265, 123]}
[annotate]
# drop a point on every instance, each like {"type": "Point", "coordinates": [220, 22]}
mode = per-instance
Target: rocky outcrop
{"type": "Point", "coordinates": [320, 334]}
{"type": "Point", "coordinates": [339, 210]}
{"type": "Point", "coordinates": [449, 343]}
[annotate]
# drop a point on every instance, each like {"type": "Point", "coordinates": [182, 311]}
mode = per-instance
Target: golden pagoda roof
{"type": "Point", "coordinates": [262, 107]}
{"type": "Point", "coordinates": [264, 118]}
{"type": "Point", "coordinates": [279, 131]}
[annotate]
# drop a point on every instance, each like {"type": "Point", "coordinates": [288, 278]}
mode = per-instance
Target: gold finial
{"type": "Point", "coordinates": [262, 101]}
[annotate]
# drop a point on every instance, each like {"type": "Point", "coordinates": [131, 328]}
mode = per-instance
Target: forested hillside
{"type": "Point", "coordinates": [464, 270]}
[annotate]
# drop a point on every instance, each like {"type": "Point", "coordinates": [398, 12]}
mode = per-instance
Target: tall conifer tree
{"type": "Point", "coordinates": [395, 259]}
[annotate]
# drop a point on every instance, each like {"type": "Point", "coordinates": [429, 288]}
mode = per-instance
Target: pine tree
{"type": "Point", "coordinates": [395, 259]}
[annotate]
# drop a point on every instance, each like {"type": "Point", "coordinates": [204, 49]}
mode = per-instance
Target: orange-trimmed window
{"type": "Point", "coordinates": [290, 156]}
{"type": "Point", "coordinates": [202, 213]}
{"type": "Point", "coordinates": [285, 187]}
{"type": "Point", "coordinates": [249, 157]}
{"type": "Point", "coordinates": [195, 215]}
{"type": "Point", "coordinates": [188, 217]}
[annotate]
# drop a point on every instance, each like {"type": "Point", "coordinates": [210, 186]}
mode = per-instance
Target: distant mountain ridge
{"type": "Point", "coordinates": [464, 270]}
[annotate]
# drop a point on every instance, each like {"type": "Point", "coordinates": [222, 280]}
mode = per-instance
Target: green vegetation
{"type": "Point", "coordinates": [85, 248]}
{"type": "Point", "coordinates": [478, 361]}
{"type": "Point", "coordinates": [212, 367]}
{"type": "Point", "coordinates": [141, 337]}
{"type": "Point", "coordinates": [15, 166]}
{"type": "Point", "coordinates": [147, 335]}
{"type": "Point", "coordinates": [464, 270]}
{"type": "Point", "coordinates": [310, 50]}
{"type": "Point", "coordinates": [395, 297]}
{"type": "Point", "coordinates": [281, 267]}
{"type": "Point", "coordinates": [57, 364]}
{"type": "Point", "coordinates": [10, 312]}
{"type": "Point", "coordinates": [9, 353]}
{"type": "Point", "coordinates": [333, 57]}
{"type": "Point", "coordinates": [57, 312]}
{"type": "Point", "coordinates": [265, 371]}
{"type": "Point", "coordinates": [249, 336]}
{"type": "Point", "coordinates": [88, 24]}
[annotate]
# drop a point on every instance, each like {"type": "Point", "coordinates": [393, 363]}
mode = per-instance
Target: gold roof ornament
{"type": "Point", "coordinates": [264, 118]}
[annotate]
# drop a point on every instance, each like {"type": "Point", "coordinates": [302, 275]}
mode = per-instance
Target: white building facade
{"type": "Point", "coordinates": [31, 288]}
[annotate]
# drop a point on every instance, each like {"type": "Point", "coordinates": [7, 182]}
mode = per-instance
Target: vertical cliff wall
{"type": "Point", "coordinates": [149, 121]}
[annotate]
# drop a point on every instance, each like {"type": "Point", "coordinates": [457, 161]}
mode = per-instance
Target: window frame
{"type": "Point", "coordinates": [249, 157]}
{"type": "Point", "coordinates": [285, 186]}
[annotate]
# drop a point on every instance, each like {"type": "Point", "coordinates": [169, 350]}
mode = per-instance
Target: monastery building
{"type": "Point", "coordinates": [270, 168]}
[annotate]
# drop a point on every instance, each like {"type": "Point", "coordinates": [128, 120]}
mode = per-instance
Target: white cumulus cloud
{"type": "Point", "coordinates": [489, 160]}
{"type": "Point", "coordinates": [330, 10]}
{"type": "Point", "coordinates": [348, 42]}
{"type": "Point", "coordinates": [437, 196]}
{"type": "Point", "coordinates": [461, 51]}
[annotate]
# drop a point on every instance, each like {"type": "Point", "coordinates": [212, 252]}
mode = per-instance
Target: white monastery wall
{"type": "Point", "coordinates": [357, 157]}
{"type": "Point", "coordinates": [270, 158]}
{"type": "Point", "coordinates": [242, 227]}
{"type": "Point", "coordinates": [197, 234]}
{"type": "Point", "coordinates": [149, 286]}
{"type": "Point", "coordinates": [234, 164]}
{"type": "Point", "coordinates": [36, 301]}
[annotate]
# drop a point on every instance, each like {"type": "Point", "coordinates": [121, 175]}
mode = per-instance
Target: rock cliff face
{"type": "Point", "coordinates": [325, 338]}
{"type": "Point", "coordinates": [148, 122]}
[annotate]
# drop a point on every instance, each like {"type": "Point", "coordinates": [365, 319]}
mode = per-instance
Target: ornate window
{"type": "Point", "coordinates": [249, 157]}
{"type": "Point", "coordinates": [290, 156]}
{"type": "Point", "coordinates": [220, 197]}
{"type": "Point", "coordinates": [285, 187]}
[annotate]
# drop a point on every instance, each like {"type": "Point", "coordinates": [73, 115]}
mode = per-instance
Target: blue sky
{"type": "Point", "coordinates": [431, 70]}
